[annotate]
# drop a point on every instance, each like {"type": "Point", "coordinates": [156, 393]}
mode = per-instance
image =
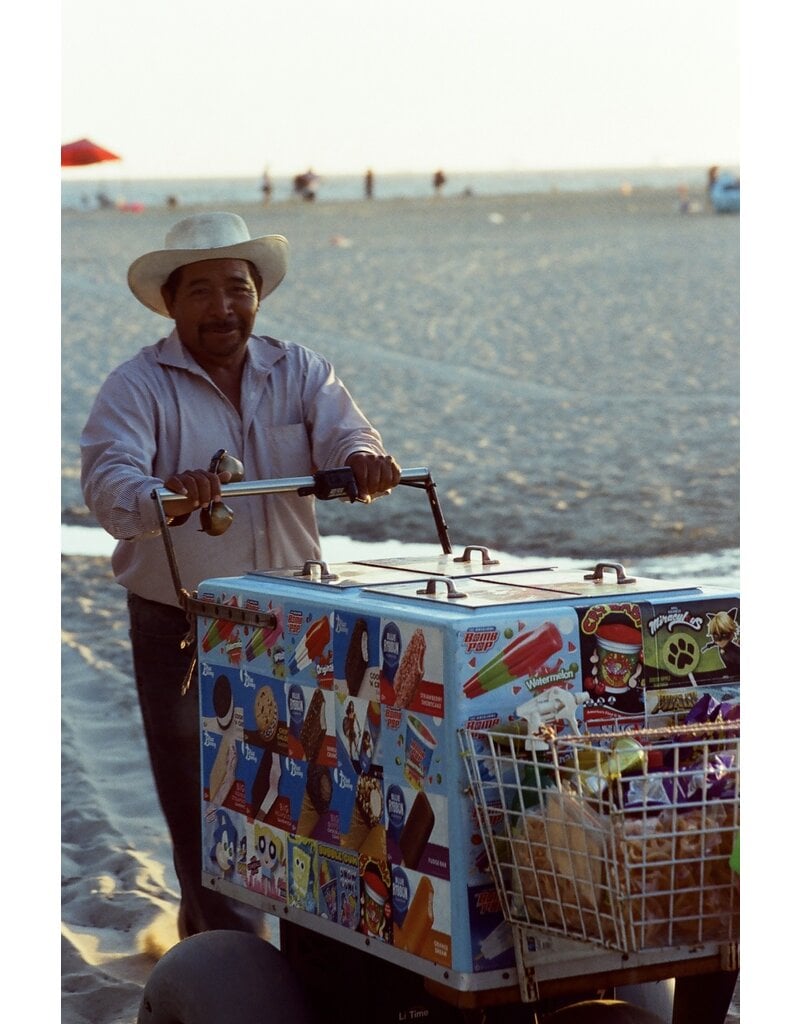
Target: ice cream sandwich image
{"type": "Point", "coordinates": [222, 698]}
{"type": "Point", "coordinates": [265, 785]}
{"type": "Point", "coordinates": [223, 771]}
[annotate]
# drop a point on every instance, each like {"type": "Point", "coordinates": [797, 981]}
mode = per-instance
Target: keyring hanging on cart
{"type": "Point", "coordinates": [216, 517]}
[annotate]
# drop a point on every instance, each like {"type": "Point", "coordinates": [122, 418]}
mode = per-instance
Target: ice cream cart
{"type": "Point", "coordinates": [378, 736]}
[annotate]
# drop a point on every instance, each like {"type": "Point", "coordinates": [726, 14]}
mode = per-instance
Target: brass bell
{"type": "Point", "coordinates": [224, 462]}
{"type": "Point", "coordinates": [215, 518]}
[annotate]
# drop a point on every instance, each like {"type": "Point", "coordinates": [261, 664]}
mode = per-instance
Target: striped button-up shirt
{"type": "Point", "coordinates": [160, 413]}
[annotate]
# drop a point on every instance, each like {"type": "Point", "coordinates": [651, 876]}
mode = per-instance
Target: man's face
{"type": "Point", "coordinates": [214, 309]}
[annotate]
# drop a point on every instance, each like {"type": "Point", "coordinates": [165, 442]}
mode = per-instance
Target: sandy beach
{"type": "Point", "coordinates": [567, 367]}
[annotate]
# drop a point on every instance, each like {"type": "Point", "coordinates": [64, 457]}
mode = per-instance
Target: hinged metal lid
{"type": "Point", "coordinates": [475, 560]}
{"type": "Point", "coordinates": [464, 592]}
{"type": "Point", "coordinates": [607, 579]}
{"type": "Point", "coordinates": [532, 585]}
{"type": "Point", "coordinates": [340, 575]}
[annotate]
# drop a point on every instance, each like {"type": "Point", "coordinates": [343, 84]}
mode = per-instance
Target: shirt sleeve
{"type": "Point", "coordinates": [337, 427]}
{"type": "Point", "coordinates": [117, 452]}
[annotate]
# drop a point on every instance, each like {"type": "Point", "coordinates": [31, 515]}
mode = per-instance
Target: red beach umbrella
{"type": "Point", "coordinates": [83, 152]}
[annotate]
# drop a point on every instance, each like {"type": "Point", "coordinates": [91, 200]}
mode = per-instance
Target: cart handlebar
{"type": "Point", "coordinates": [327, 484]}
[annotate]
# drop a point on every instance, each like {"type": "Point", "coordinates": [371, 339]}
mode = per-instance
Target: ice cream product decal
{"type": "Point", "coordinates": [311, 646]}
{"type": "Point", "coordinates": [391, 646]}
{"type": "Point", "coordinates": [523, 656]}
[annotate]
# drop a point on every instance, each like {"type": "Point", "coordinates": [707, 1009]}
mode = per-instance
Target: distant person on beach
{"type": "Point", "coordinates": [158, 419]}
{"type": "Point", "coordinates": [266, 187]}
{"type": "Point", "coordinates": [439, 181]}
{"type": "Point", "coordinates": [305, 185]}
{"type": "Point", "coordinates": [369, 184]}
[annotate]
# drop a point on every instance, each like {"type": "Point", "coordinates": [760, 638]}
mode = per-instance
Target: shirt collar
{"type": "Point", "coordinates": [262, 353]}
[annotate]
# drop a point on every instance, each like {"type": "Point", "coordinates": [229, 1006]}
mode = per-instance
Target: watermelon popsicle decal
{"type": "Point", "coordinates": [262, 638]}
{"type": "Point", "coordinates": [218, 632]}
{"type": "Point", "coordinates": [525, 655]}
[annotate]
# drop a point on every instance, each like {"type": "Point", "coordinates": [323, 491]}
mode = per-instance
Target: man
{"type": "Point", "coordinates": [210, 384]}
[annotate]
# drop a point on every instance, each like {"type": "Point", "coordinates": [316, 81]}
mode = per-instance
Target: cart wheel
{"type": "Point", "coordinates": [227, 977]}
{"type": "Point", "coordinates": [601, 1011]}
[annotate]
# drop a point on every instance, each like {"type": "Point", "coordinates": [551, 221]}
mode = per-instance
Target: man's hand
{"type": "Point", "coordinates": [374, 474]}
{"type": "Point", "coordinates": [200, 488]}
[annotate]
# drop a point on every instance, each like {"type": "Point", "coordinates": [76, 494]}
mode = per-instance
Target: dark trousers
{"type": "Point", "coordinates": [172, 730]}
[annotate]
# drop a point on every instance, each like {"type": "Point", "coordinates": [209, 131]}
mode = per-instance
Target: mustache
{"type": "Point", "coordinates": [221, 325]}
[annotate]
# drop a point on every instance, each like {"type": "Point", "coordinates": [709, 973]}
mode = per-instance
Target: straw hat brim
{"type": "Point", "coordinates": [148, 273]}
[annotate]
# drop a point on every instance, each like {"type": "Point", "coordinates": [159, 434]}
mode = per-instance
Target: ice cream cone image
{"type": "Point", "coordinates": [357, 836]}
{"type": "Point", "coordinates": [308, 819]}
{"type": "Point", "coordinates": [375, 844]}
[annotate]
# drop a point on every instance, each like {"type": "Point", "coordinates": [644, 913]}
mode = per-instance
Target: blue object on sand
{"type": "Point", "coordinates": [725, 194]}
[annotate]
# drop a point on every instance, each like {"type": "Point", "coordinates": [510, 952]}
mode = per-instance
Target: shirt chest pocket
{"type": "Point", "coordinates": [281, 451]}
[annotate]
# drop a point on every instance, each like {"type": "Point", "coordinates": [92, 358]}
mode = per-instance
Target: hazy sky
{"type": "Point", "coordinates": [206, 87]}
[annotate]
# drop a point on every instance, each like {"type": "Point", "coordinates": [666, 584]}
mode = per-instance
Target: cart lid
{"type": "Point", "coordinates": [475, 560]}
{"type": "Point", "coordinates": [572, 583]}
{"type": "Point", "coordinates": [340, 575]}
{"type": "Point", "coordinates": [522, 587]}
{"type": "Point", "coordinates": [465, 593]}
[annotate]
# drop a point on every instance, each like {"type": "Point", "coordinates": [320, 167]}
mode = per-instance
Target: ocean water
{"type": "Point", "coordinates": [653, 474]}
{"type": "Point", "coordinates": [77, 194]}
{"type": "Point", "coordinates": [717, 568]}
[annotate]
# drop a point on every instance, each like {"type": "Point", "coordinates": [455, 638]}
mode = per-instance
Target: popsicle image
{"type": "Point", "coordinates": [262, 639]}
{"type": "Point", "coordinates": [218, 632]}
{"type": "Point", "coordinates": [496, 942]}
{"type": "Point", "coordinates": [523, 656]}
{"type": "Point", "coordinates": [311, 646]}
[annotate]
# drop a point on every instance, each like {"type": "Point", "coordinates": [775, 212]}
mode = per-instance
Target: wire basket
{"type": "Point", "coordinates": [627, 840]}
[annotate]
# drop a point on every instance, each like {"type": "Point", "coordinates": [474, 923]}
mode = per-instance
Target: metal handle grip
{"type": "Point", "coordinates": [283, 485]}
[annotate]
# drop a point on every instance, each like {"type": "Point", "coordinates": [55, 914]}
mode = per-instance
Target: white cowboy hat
{"type": "Point", "coordinates": [207, 236]}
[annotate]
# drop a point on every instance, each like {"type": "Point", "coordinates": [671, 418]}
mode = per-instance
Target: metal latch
{"type": "Point", "coordinates": [485, 556]}
{"type": "Point", "coordinates": [617, 567]}
{"type": "Point", "coordinates": [430, 590]}
{"type": "Point", "coordinates": [316, 569]}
